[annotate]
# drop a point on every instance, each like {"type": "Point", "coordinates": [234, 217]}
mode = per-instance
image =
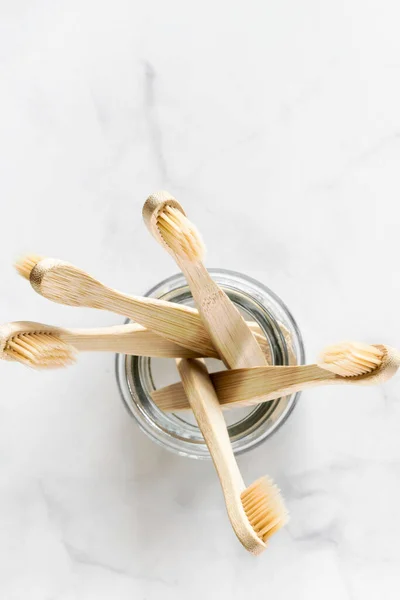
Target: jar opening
{"type": "Point", "coordinates": [247, 426]}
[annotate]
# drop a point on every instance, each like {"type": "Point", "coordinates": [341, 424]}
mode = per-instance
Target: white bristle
{"type": "Point", "coordinates": [351, 359]}
{"type": "Point", "coordinates": [25, 264]}
{"type": "Point", "coordinates": [39, 350]}
{"type": "Point", "coordinates": [180, 235]}
{"type": "Point", "coordinates": [264, 507]}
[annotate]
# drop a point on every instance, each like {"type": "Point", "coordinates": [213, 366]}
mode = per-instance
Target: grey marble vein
{"type": "Point", "coordinates": [152, 120]}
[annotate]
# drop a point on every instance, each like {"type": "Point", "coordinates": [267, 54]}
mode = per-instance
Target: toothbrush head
{"type": "Point", "coordinates": [264, 507]}
{"type": "Point", "coordinates": [39, 349]}
{"type": "Point", "coordinates": [167, 222]}
{"type": "Point", "coordinates": [26, 264]}
{"type": "Point", "coordinates": [351, 359]}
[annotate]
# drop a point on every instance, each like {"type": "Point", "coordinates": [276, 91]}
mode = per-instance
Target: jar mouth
{"type": "Point", "coordinates": [138, 376]}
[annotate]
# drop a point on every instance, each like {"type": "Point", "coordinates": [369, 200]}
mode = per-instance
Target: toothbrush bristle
{"type": "Point", "coordinates": [25, 264]}
{"type": "Point", "coordinates": [180, 235]}
{"type": "Point", "coordinates": [351, 359]}
{"type": "Point", "coordinates": [39, 350]}
{"type": "Point", "coordinates": [264, 506]}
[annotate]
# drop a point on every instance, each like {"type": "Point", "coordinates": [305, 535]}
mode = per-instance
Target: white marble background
{"type": "Point", "coordinates": [277, 124]}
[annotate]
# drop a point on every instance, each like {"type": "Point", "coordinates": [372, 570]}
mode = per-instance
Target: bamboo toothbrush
{"type": "Point", "coordinates": [350, 359]}
{"type": "Point", "coordinates": [256, 512]}
{"type": "Point", "coordinates": [167, 222]}
{"type": "Point", "coordinates": [61, 282]}
{"type": "Point", "coordinates": [43, 346]}
{"type": "Point", "coordinates": [369, 366]}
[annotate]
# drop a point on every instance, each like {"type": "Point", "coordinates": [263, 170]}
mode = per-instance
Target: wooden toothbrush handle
{"type": "Point", "coordinates": [178, 323]}
{"type": "Point", "coordinates": [205, 406]}
{"type": "Point", "coordinates": [131, 339]}
{"type": "Point", "coordinates": [268, 383]}
{"type": "Point", "coordinates": [66, 284]}
{"type": "Point", "coordinates": [228, 330]}
{"type": "Point", "coordinates": [182, 325]}
{"type": "Point", "coordinates": [245, 387]}
{"type": "Point", "coordinates": [208, 413]}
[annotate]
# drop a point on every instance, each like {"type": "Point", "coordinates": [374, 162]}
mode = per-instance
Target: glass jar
{"type": "Point", "coordinates": [138, 376]}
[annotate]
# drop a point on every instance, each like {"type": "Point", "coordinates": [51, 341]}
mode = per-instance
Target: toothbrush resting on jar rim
{"type": "Point", "coordinates": [231, 336]}
{"type": "Point", "coordinates": [350, 363]}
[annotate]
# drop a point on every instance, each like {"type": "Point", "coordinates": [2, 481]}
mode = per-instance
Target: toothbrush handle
{"type": "Point", "coordinates": [66, 284]}
{"type": "Point", "coordinates": [207, 411]}
{"type": "Point", "coordinates": [125, 339]}
{"type": "Point", "coordinates": [181, 324]}
{"type": "Point", "coordinates": [226, 327]}
{"type": "Point", "coordinates": [245, 387]}
{"type": "Point", "coordinates": [178, 323]}
{"type": "Point", "coordinates": [205, 406]}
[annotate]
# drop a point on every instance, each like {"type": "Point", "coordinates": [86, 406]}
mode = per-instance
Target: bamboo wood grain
{"type": "Point", "coordinates": [259, 384]}
{"type": "Point", "coordinates": [204, 403]}
{"type": "Point", "coordinates": [66, 284]}
{"type": "Point", "coordinates": [226, 327]}
{"type": "Point", "coordinates": [132, 339]}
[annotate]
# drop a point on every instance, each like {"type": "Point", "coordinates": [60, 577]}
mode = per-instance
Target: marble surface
{"type": "Point", "coordinates": [278, 126]}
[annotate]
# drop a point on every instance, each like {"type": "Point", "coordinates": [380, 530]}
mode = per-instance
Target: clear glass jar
{"type": "Point", "coordinates": [248, 426]}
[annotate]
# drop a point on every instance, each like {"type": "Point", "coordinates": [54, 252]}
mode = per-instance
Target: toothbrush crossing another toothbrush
{"type": "Point", "coordinates": [359, 364]}
{"type": "Point", "coordinates": [64, 283]}
{"type": "Point", "coordinates": [167, 222]}
{"type": "Point", "coordinates": [43, 346]}
{"type": "Point", "coordinates": [255, 512]}
{"type": "Point", "coordinates": [216, 330]}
